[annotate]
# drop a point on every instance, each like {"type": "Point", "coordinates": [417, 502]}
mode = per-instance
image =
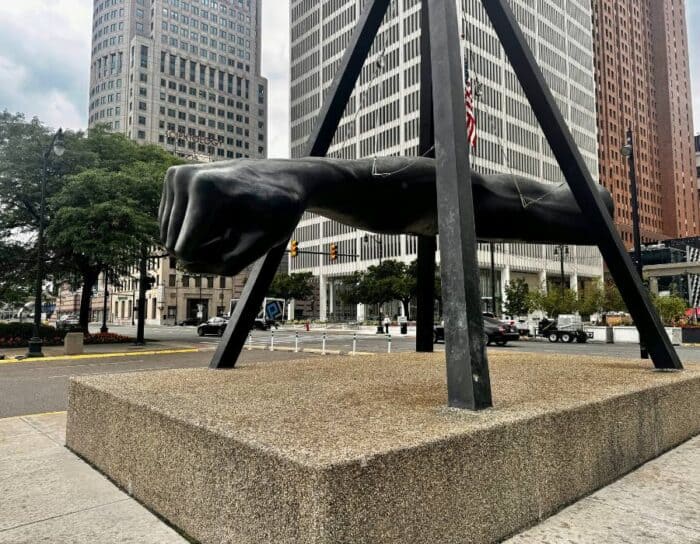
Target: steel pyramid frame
{"type": "Point", "coordinates": [443, 122]}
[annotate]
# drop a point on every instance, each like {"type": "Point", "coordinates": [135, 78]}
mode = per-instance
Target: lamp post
{"type": "Point", "coordinates": [378, 241]}
{"type": "Point", "coordinates": [561, 250]}
{"type": "Point", "coordinates": [103, 328]}
{"type": "Point", "coordinates": [58, 147]}
{"type": "Point", "coordinates": [627, 151]}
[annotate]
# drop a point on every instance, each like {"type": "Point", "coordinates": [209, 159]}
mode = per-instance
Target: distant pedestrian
{"type": "Point", "coordinates": [387, 322]}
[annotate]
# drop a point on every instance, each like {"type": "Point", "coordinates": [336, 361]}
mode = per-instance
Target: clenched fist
{"type": "Point", "coordinates": [219, 218]}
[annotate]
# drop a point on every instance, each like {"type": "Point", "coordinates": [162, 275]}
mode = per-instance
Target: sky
{"type": "Point", "coordinates": [45, 62]}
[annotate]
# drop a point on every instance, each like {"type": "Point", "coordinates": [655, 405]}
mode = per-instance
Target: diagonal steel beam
{"type": "Point", "coordinates": [468, 382]}
{"type": "Point", "coordinates": [264, 269]}
{"type": "Point", "coordinates": [581, 183]}
{"type": "Point", "coordinates": [425, 270]}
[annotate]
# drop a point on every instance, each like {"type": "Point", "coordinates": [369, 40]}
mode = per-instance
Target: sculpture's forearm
{"type": "Point", "coordinates": [398, 194]}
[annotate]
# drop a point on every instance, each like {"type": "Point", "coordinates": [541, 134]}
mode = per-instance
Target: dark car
{"type": "Point", "coordinates": [215, 326]}
{"type": "Point", "coordinates": [190, 321]}
{"type": "Point", "coordinates": [496, 332]}
{"type": "Point", "coordinates": [68, 323]}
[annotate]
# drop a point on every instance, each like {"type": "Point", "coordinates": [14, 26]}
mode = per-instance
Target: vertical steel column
{"type": "Point", "coordinates": [581, 183]}
{"type": "Point", "coordinates": [643, 352]}
{"type": "Point", "coordinates": [468, 382]}
{"type": "Point", "coordinates": [427, 245]}
{"type": "Point", "coordinates": [264, 269]}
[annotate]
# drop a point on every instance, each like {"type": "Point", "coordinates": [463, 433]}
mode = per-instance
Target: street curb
{"type": "Point", "coordinates": [307, 350]}
{"type": "Point", "coordinates": [97, 356]}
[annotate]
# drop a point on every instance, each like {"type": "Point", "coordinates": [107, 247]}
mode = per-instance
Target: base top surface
{"type": "Point", "coordinates": [341, 409]}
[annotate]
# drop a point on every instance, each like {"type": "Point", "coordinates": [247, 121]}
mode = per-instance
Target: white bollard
{"type": "Point", "coordinates": [272, 340]}
{"type": "Point", "coordinates": [296, 342]}
{"type": "Point", "coordinates": [354, 343]}
{"type": "Point", "coordinates": [323, 345]}
{"type": "Point", "coordinates": [250, 341]}
{"type": "Point", "coordinates": [388, 344]}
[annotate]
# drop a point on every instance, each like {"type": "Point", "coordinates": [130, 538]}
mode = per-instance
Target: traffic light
{"type": "Point", "coordinates": [294, 248]}
{"type": "Point", "coordinates": [334, 252]}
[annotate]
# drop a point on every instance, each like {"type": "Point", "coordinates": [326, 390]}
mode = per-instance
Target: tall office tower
{"type": "Point", "coordinates": [697, 160]}
{"type": "Point", "coordinates": [643, 83]}
{"type": "Point", "coordinates": [382, 118]}
{"type": "Point", "coordinates": [184, 74]}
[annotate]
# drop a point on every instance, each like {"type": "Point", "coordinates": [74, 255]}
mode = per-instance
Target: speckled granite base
{"type": "Point", "coordinates": [363, 450]}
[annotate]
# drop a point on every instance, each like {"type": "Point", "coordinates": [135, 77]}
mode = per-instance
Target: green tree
{"type": "Point", "coordinates": [97, 227]}
{"type": "Point", "coordinates": [671, 309]}
{"type": "Point", "coordinates": [591, 301]}
{"type": "Point", "coordinates": [292, 286]}
{"type": "Point", "coordinates": [553, 302]}
{"type": "Point", "coordinates": [612, 301]}
{"type": "Point", "coordinates": [106, 215]}
{"type": "Point", "coordinates": [518, 300]}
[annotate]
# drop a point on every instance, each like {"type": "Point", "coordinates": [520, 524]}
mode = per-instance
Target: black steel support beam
{"type": "Point", "coordinates": [336, 100]}
{"type": "Point", "coordinates": [468, 382]}
{"type": "Point", "coordinates": [427, 245]}
{"type": "Point", "coordinates": [582, 184]}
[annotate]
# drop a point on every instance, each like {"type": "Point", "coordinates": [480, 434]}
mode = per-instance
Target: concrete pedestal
{"type": "Point", "coordinates": [73, 343]}
{"type": "Point", "coordinates": [363, 449]}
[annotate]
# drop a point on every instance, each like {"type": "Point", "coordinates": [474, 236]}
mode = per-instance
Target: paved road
{"type": "Point", "coordinates": [37, 386]}
{"type": "Point", "coordinates": [378, 343]}
{"type": "Point", "coordinates": [41, 386]}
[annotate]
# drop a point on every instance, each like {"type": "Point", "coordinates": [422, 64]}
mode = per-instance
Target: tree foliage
{"type": "Point", "coordinates": [554, 302]}
{"type": "Point", "coordinates": [518, 299]}
{"type": "Point", "coordinates": [102, 199]}
{"type": "Point", "coordinates": [671, 309]}
{"type": "Point", "coordinates": [592, 300]}
{"type": "Point", "coordinates": [292, 286]}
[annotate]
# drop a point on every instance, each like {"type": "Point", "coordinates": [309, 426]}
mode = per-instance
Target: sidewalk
{"type": "Point", "coordinates": [48, 494]}
{"type": "Point", "coordinates": [94, 349]}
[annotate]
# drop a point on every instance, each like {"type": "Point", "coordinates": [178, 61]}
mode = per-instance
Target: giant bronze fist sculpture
{"type": "Point", "coordinates": [221, 217]}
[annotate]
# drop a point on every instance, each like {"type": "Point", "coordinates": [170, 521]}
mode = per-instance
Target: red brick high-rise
{"type": "Point", "coordinates": [643, 82]}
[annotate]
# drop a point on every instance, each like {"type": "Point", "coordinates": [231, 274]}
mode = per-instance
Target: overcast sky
{"type": "Point", "coordinates": [45, 62]}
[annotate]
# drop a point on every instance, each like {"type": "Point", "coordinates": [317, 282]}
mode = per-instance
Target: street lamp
{"type": "Point", "coordinates": [627, 151]}
{"type": "Point", "coordinates": [561, 250]}
{"type": "Point", "coordinates": [103, 328]}
{"type": "Point", "coordinates": [58, 147]}
{"type": "Point", "coordinates": [377, 240]}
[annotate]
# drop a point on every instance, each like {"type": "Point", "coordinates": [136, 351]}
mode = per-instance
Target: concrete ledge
{"type": "Point", "coordinates": [363, 450]}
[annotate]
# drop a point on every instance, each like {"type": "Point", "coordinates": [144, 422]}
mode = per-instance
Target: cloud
{"type": "Point", "coordinates": [45, 63]}
{"type": "Point", "coordinates": [45, 60]}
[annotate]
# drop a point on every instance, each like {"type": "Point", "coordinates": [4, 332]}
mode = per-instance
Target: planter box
{"type": "Point", "coordinates": [630, 335]}
{"type": "Point", "coordinates": [690, 335]}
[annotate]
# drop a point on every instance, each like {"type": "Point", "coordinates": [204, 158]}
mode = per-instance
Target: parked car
{"type": "Point", "coordinates": [190, 321]}
{"type": "Point", "coordinates": [68, 322]}
{"type": "Point", "coordinates": [496, 332]}
{"type": "Point", "coordinates": [215, 326]}
{"type": "Point", "coordinates": [261, 324]}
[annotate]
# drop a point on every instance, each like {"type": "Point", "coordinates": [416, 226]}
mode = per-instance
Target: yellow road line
{"type": "Point", "coordinates": [97, 356]}
{"type": "Point", "coordinates": [34, 415]}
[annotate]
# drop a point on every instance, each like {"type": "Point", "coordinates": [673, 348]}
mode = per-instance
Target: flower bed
{"type": "Point", "coordinates": [106, 338]}
{"type": "Point", "coordinates": [17, 335]}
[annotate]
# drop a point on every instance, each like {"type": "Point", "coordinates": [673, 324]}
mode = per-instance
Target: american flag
{"type": "Point", "coordinates": [471, 118]}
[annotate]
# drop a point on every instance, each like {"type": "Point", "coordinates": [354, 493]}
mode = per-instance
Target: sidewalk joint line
{"type": "Point", "coordinates": [64, 514]}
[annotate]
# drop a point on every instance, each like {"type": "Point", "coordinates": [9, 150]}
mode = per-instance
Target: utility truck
{"type": "Point", "coordinates": [566, 328]}
{"type": "Point", "coordinates": [270, 314]}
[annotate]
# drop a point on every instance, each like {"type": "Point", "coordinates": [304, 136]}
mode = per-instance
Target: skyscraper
{"type": "Point", "coordinates": [183, 74]}
{"type": "Point", "coordinates": [382, 118]}
{"type": "Point", "coordinates": [643, 83]}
